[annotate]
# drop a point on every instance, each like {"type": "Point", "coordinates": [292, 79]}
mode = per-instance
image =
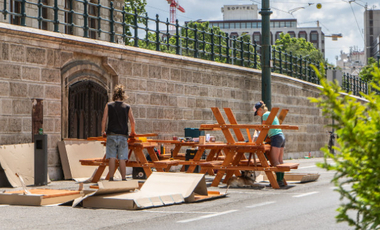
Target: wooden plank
{"type": "Point", "coordinates": [233, 121]}
{"type": "Point", "coordinates": [282, 115]}
{"type": "Point", "coordinates": [221, 121]}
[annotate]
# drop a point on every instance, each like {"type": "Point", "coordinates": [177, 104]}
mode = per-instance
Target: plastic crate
{"type": "Point", "coordinates": [194, 132]}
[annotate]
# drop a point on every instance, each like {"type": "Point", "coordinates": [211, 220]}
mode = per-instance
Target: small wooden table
{"type": "Point", "coordinates": [137, 147]}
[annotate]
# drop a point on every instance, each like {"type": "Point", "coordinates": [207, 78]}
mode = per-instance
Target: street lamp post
{"type": "Point", "coordinates": [265, 53]}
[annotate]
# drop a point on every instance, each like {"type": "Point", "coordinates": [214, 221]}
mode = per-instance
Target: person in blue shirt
{"type": "Point", "coordinates": [277, 139]}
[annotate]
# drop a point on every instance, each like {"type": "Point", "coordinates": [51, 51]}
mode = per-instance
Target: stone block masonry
{"type": "Point", "coordinates": [167, 92]}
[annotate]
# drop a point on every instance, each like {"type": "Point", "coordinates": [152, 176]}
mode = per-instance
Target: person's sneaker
{"type": "Point", "coordinates": [124, 179]}
{"type": "Point", "coordinates": [111, 179]}
{"type": "Point", "coordinates": [281, 184]}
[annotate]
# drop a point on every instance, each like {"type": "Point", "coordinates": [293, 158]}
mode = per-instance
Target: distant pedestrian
{"type": "Point", "coordinates": [277, 140]}
{"type": "Point", "coordinates": [119, 114]}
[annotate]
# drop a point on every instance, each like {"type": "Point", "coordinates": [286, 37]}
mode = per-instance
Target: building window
{"type": "Point", "coordinates": [277, 24]}
{"type": "Point", "coordinates": [237, 25]}
{"type": "Point", "coordinates": [232, 25]}
{"type": "Point", "coordinates": [15, 8]}
{"type": "Point", "coordinates": [278, 35]}
{"type": "Point", "coordinates": [282, 24]}
{"type": "Point", "coordinates": [226, 25]}
{"type": "Point", "coordinates": [292, 34]}
{"type": "Point", "coordinates": [45, 16]}
{"type": "Point", "coordinates": [272, 24]}
{"type": "Point", "coordinates": [249, 24]}
{"type": "Point", "coordinates": [257, 37]}
{"type": "Point", "coordinates": [259, 25]}
{"type": "Point", "coordinates": [302, 34]}
{"type": "Point", "coordinates": [288, 24]}
{"type": "Point", "coordinates": [314, 38]}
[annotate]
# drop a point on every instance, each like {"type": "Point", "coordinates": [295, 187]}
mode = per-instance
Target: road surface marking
{"type": "Point", "coordinates": [305, 194]}
{"type": "Point", "coordinates": [260, 204]}
{"type": "Point", "coordinates": [206, 216]}
{"type": "Point", "coordinates": [179, 212]}
{"type": "Point", "coordinates": [305, 167]}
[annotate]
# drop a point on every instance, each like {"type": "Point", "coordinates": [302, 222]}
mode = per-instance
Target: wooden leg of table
{"type": "Point", "coordinates": [227, 161]}
{"type": "Point", "coordinates": [270, 174]}
{"type": "Point", "coordinates": [154, 157]}
{"type": "Point", "coordinates": [142, 159]}
{"type": "Point", "coordinates": [272, 179]}
{"type": "Point", "coordinates": [197, 158]}
{"type": "Point", "coordinates": [235, 161]}
{"type": "Point", "coordinates": [176, 150]}
{"type": "Point", "coordinates": [98, 173]}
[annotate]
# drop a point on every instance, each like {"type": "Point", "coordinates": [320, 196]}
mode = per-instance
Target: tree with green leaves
{"type": "Point", "coordinates": [134, 6]}
{"type": "Point", "coordinates": [357, 153]}
{"type": "Point", "coordinates": [366, 73]}
{"type": "Point", "coordinates": [299, 47]}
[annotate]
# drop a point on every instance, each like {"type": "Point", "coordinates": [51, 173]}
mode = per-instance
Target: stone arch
{"type": "Point", "coordinates": [97, 76]}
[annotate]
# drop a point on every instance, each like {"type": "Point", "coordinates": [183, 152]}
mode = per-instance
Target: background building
{"type": "Point", "coordinates": [351, 63]}
{"type": "Point", "coordinates": [371, 33]}
{"type": "Point", "coordinates": [239, 20]}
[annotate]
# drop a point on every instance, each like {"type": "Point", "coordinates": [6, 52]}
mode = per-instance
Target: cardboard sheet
{"type": "Point", "coordinates": [158, 190]}
{"type": "Point", "coordinates": [39, 197]}
{"type": "Point", "coordinates": [18, 159]}
{"type": "Point", "coordinates": [71, 151]}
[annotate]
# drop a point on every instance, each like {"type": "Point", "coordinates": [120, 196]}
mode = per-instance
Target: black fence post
{"type": "Point", "coordinates": [255, 54]}
{"type": "Point", "coordinates": [195, 41]}
{"type": "Point", "coordinates": [177, 40]}
{"type": "Point", "coordinates": [212, 45]}
{"type": "Point", "coordinates": [112, 22]}
{"type": "Point", "coordinates": [23, 14]}
{"type": "Point", "coordinates": [157, 33]}
{"type": "Point", "coordinates": [56, 22]}
{"type": "Point", "coordinates": [228, 48]}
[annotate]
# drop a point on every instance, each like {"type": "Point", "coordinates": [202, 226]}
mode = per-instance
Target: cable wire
{"type": "Point", "coordinates": [356, 21]}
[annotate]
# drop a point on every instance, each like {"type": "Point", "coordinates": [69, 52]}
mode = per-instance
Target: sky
{"type": "Point", "coordinates": [335, 16]}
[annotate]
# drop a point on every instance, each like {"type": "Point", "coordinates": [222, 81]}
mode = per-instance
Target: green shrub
{"type": "Point", "coordinates": [357, 152]}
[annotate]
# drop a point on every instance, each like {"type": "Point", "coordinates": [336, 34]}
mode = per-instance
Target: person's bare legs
{"type": "Point", "coordinates": [111, 167]}
{"type": "Point", "coordinates": [275, 153]}
{"type": "Point", "coordinates": [281, 156]}
{"type": "Point", "coordinates": [123, 170]}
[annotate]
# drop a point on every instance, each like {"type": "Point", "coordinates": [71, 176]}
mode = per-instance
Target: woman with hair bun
{"type": "Point", "coordinates": [277, 140]}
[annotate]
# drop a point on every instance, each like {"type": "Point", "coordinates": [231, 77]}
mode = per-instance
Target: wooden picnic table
{"type": "Point", "coordinates": [235, 159]}
{"type": "Point", "coordinates": [136, 146]}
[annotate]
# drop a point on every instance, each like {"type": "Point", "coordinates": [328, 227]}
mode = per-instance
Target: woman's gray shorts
{"type": "Point", "coordinates": [277, 140]}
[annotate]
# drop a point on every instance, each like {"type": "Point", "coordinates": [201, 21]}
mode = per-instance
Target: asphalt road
{"type": "Point", "coordinates": [301, 206]}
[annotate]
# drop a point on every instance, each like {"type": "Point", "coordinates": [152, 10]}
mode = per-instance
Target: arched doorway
{"type": "Point", "coordinates": [86, 104]}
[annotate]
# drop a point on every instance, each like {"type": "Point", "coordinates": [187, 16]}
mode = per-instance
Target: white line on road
{"type": "Point", "coordinates": [305, 194]}
{"type": "Point", "coordinates": [261, 204]}
{"type": "Point", "coordinates": [206, 216]}
{"type": "Point", "coordinates": [306, 167]}
{"type": "Point", "coordinates": [179, 212]}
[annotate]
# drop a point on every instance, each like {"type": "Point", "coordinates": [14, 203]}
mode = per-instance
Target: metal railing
{"type": "Point", "coordinates": [109, 23]}
{"type": "Point", "coordinates": [354, 84]}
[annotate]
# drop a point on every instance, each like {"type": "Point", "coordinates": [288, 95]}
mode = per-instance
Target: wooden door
{"type": "Point", "coordinates": [86, 104]}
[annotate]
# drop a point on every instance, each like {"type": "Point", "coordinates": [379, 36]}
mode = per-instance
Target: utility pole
{"type": "Point", "coordinates": [265, 54]}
